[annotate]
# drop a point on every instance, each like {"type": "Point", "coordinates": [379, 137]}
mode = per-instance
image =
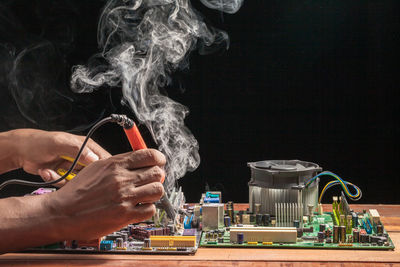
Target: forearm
{"type": "Point", "coordinates": [8, 152]}
{"type": "Point", "coordinates": [28, 222]}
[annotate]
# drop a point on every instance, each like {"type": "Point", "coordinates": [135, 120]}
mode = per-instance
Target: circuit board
{"type": "Point", "coordinates": [116, 243]}
{"type": "Point", "coordinates": [315, 233]}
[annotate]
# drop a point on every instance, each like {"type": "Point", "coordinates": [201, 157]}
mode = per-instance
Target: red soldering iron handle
{"type": "Point", "coordinates": [135, 138]}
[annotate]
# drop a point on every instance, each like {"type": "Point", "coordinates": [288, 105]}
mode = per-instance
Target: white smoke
{"type": "Point", "coordinates": [142, 42]}
{"type": "Point", "coordinates": [227, 6]}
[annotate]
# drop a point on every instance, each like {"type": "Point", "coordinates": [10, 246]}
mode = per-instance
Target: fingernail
{"type": "Point", "coordinates": [92, 156]}
{"type": "Point", "coordinates": [53, 174]}
{"type": "Point", "coordinates": [45, 174]}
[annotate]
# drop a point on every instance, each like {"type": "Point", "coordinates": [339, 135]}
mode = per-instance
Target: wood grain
{"type": "Point", "coordinates": [238, 257]}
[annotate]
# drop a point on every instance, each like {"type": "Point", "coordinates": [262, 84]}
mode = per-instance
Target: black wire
{"type": "Point", "coordinates": [112, 118]}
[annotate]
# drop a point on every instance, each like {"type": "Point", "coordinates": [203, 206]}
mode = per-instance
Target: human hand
{"type": "Point", "coordinates": [38, 152]}
{"type": "Point", "coordinates": [109, 194]}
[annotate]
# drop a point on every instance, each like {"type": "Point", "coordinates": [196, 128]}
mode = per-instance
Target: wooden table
{"type": "Point", "coordinates": [390, 216]}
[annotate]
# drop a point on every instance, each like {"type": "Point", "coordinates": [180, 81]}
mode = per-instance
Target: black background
{"type": "Point", "coordinates": [309, 80]}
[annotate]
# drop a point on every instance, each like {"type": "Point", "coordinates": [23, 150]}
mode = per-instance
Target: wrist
{"type": "Point", "coordinates": [9, 155]}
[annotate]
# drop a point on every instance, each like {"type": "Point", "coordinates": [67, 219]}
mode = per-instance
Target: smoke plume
{"type": "Point", "coordinates": [142, 43]}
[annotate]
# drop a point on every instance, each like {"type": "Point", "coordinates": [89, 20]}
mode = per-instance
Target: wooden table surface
{"type": "Point", "coordinates": [390, 216]}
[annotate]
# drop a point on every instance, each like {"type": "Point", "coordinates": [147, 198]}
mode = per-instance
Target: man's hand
{"type": "Point", "coordinates": [109, 194]}
{"type": "Point", "coordinates": [38, 152]}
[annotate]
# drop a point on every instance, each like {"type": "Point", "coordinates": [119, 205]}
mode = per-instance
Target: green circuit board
{"type": "Point", "coordinates": [221, 238]}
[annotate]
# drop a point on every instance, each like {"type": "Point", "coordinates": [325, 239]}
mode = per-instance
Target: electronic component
{"type": "Point", "coordinates": [264, 234]}
{"type": "Point", "coordinates": [173, 241]}
{"type": "Point", "coordinates": [213, 216]}
{"type": "Point", "coordinates": [374, 215]}
{"type": "Point", "coordinates": [281, 181]}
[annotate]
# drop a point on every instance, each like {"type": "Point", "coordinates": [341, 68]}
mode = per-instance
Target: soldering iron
{"type": "Point", "coordinates": [136, 141]}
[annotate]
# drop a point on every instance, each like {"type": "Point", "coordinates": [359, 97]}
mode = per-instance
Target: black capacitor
{"type": "Point", "coordinates": [220, 240]}
{"type": "Point", "coordinates": [296, 223]}
{"type": "Point", "coordinates": [321, 237]}
{"type": "Point", "coordinates": [380, 242]}
{"type": "Point", "coordinates": [336, 234]}
{"type": "Point", "coordinates": [299, 232]}
{"type": "Point", "coordinates": [74, 244]}
{"type": "Point", "coordinates": [329, 240]}
{"type": "Point", "coordinates": [252, 218]}
{"type": "Point", "coordinates": [354, 218]}
{"type": "Point", "coordinates": [356, 236]}
{"type": "Point", "coordinates": [322, 227]}
{"type": "Point", "coordinates": [266, 219]}
{"type": "Point", "coordinates": [240, 238]}
{"type": "Point", "coordinates": [364, 238]}
{"type": "Point", "coordinates": [259, 219]}
{"type": "Point", "coordinates": [342, 234]}
{"type": "Point", "coordinates": [379, 229]}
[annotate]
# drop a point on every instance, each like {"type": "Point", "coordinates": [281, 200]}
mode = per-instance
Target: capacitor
{"type": "Point", "coordinates": [379, 229]}
{"type": "Point", "coordinates": [380, 242]}
{"type": "Point", "coordinates": [238, 219]}
{"type": "Point", "coordinates": [335, 234]}
{"type": "Point", "coordinates": [259, 220]}
{"type": "Point", "coordinates": [296, 223]}
{"type": "Point", "coordinates": [354, 218]}
{"type": "Point", "coordinates": [220, 240]}
{"type": "Point", "coordinates": [364, 238]}
{"type": "Point", "coordinates": [329, 240]}
{"type": "Point", "coordinates": [119, 242]}
{"type": "Point", "coordinates": [240, 238]}
{"type": "Point", "coordinates": [227, 221]}
{"type": "Point", "coordinates": [349, 224]}
{"type": "Point", "coordinates": [147, 243]}
{"type": "Point", "coordinates": [342, 233]}
{"type": "Point", "coordinates": [321, 237]}
{"type": "Point", "coordinates": [299, 232]}
{"type": "Point", "coordinates": [265, 219]}
{"type": "Point", "coordinates": [257, 208]}
{"type": "Point", "coordinates": [341, 220]}
{"type": "Point", "coordinates": [229, 212]}
{"type": "Point", "coordinates": [252, 218]}
{"type": "Point", "coordinates": [74, 244]}
{"type": "Point", "coordinates": [322, 227]}
{"type": "Point", "coordinates": [356, 236]}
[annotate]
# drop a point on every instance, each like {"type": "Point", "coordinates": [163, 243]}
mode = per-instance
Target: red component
{"type": "Point", "coordinates": [135, 138]}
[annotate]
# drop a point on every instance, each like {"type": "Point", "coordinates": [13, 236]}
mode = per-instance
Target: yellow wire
{"type": "Point", "coordinates": [323, 190]}
{"type": "Point", "coordinates": [70, 159]}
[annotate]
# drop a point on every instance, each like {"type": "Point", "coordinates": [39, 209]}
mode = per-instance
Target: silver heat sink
{"type": "Point", "coordinates": [282, 181]}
